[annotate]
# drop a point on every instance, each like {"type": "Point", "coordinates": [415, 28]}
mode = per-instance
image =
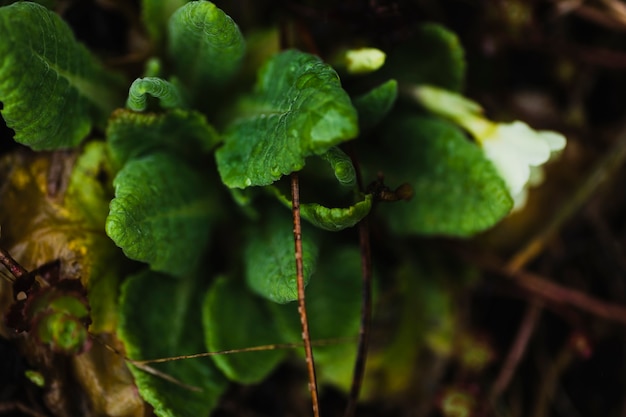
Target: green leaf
{"type": "Point", "coordinates": [233, 319]}
{"type": "Point", "coordinates": [333, 308]}
{"type": "Point", "coordinates": [336, 219]}
{"type": "Point", "coordinates": [185, 133]}
{"type": "Point", "coordinates": [298, 109]}
{"type": "Point", "coordinates": [457, 190]}
{"type": "Point", "coordinates": [160, 317]}
{"type": "Point", "coordinates": [156, 14]}
{"type": "Point", "coordinates": [433, 56]}
{"type": "Point", "coordinates": [331, 219]}
{"type": "Point", "coordinates": [53, 90]}
{"type": "Point", "coordinates": [161, 214]}
{"type": "Point", "coordinates": [205, 46]}
{"type": "Point", "coordinates": [168, 94]}
{"type": "Point", "coordinates": [376, 104]}
{"type": "Point", "coordinates": [270, 259]}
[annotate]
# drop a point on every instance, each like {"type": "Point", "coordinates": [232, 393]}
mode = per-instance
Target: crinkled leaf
{"type": "Point", "coordinates": [182, 132]}
{"type": "Point", "coordinates": [457, 190]}
{"type": "Point", "coordinates": [53, 90]}
{"type": "Point", "coordinates": [298, 109]}
{"type": "Point", "coordinates": [374, 105]}
{"type": "Point", "coordinates": [167, 93]}
{"type": "Point", "coordinates": [333, 309]}
{"type": "Point", "coordinates": [156, 14]}
{"type": "Point", "coordinates": [234, 318]}
{"type": "Point", "coordinates": [331, 219]}
{"type": "Point", "coordinates": [161, 214]}
{"type": "Point", "coordinates": [270, 258]}
{"type": "Point", "coordinates": [160, 317]}
{"type": "Point", "coordinates": [433, 56]}
{"type": "Point", "coordinates": [335, 219]}
{"type": "Point", "coordinates": [205, 46]}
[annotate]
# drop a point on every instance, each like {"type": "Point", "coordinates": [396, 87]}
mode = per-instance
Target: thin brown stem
{"type": "Point", "coordinates": [559, 294]}
{"type": "Point", "coordinates": [306, 337]}
{"type": "Point", "coordinates": [518, 348]}
{"type": "Point", "coordinates": [549, 291]}
{"type": "Point", "coordinates": [260, 348]}
{"type": "Point", "coordinates": [11, 264]}
{"type": "Point", "coordinates": [366, 317]}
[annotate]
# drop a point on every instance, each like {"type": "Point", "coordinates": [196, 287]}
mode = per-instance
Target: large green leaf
{"type": "Point", "coordinates": [233, 319]}
{"type": "Point", "coordinates": [205, 46]}
{"type": "Point", "coordinates": [270, 258]}
{"type": "Point", "coordinates": [161, 214]}
{"type": "Point", "coordinates": [298, 109]}
{"type": "Point", "coordinates": [457, 190]}
{"type": "Point", "coordinates": [333, 308]}
{"type": "Point", "coordinates": [160, 317]}
{"type": "Point", "coordinates": [182, 132]}
{"type": "Point", "coordinates": [53, 90]}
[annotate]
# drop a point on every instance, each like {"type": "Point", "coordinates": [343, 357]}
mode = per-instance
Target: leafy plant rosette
{"type": "Point", "coordinates": [199, 198]}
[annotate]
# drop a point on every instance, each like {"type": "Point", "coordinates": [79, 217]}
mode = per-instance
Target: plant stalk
{"type": "Point", "coordinates": [518, 348]}
{"type": "Point", "coordinates": [306, 337]}
{"type": "Point", "coordinates": [366, 318]}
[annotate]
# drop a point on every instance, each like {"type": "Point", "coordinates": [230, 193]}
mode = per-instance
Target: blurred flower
{"type": "Point", "coordinates": [516, 150]}
{"type": "Point", "coordinates": [363, 60]}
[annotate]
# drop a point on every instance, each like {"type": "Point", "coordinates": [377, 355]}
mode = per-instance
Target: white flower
{"type": "Point", "coordinates": [515, 149]}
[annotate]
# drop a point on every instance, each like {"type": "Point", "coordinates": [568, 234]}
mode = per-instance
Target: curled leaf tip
{"type": "Point", "coordinates": [341, 165]}
{"type": "Point", "coordinates": [168, 94]}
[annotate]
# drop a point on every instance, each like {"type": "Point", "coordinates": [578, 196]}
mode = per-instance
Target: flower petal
{"type": "Point", "coordinates": [446, 103]}
{"type": "Point", "coordinates": [513, 169]}
{"type": "Point", "coordinates": [522, 142]}
{"type": "Point", "coordinates": [555, 140]}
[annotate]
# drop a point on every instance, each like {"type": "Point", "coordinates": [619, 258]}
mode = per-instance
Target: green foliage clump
{"type": "Point", "coordinates": [199, 168]}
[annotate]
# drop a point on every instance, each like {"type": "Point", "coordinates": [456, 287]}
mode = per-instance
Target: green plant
{"type": "Point", "coordinates": [191, 179]}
